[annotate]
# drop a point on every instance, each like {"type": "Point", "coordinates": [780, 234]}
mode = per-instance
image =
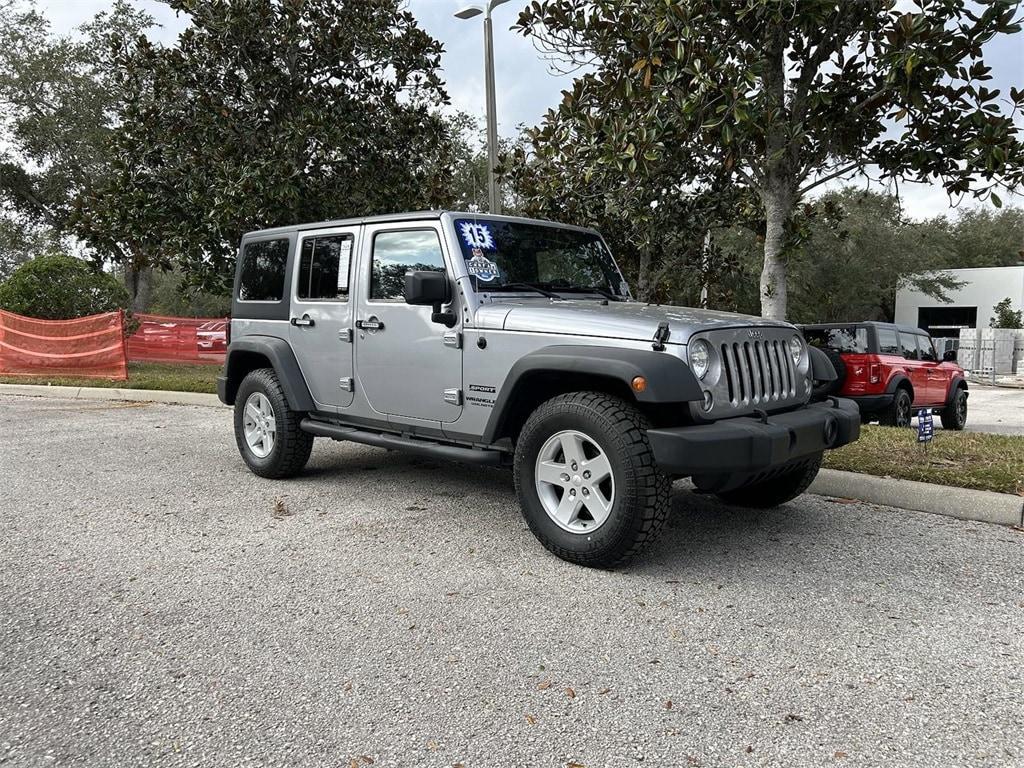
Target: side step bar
{"type": "Point", "coordinates": [399, 443]}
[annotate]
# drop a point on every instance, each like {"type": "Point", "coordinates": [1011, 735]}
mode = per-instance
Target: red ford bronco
{"type": "Point", "coordinates": [891, 371]}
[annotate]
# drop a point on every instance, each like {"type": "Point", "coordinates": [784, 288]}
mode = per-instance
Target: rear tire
{"type": "Point", "coordinates": [267, 430]}
{"type": "Point", "coordinates": [900, 412]}
{"type": "Point", "coordinates": [954, 416]}
{"type": "Point", "coordinates": [560, 440]}
{"type": "Point", "coordinates": [777, 490]}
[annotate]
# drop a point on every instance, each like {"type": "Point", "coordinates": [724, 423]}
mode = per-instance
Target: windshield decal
{"type": "Point", "coordinates": [482, 268]}
{"type": "Point", "coordinates": [477, 235]}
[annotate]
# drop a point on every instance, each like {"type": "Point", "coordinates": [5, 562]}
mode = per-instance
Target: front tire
{"type": "Point", "coordinates": [900, 412]}
{"type": "Point", "coordinates": [776, 490]}
{"type": "Point", "coordinates": [587, 482]}
{"type": "Point", "coordinates": [267, 430]}
{"type": "Point", "coordinates": [954, 416]}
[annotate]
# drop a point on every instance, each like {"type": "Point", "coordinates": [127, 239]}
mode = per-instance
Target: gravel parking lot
{"type": "Point", "coordinates": [162, 606]}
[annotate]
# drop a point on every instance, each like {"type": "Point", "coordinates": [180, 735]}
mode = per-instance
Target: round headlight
{"type": "Point", "coordinates": [700, 358]}
{"type": "Point", "coordinates": [796, 348]}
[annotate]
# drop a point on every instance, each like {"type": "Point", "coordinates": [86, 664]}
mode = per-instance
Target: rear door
{"type": "Point", "coordinates": [407, 366]}
{"type": "Point", "coordinates": [321, 314]}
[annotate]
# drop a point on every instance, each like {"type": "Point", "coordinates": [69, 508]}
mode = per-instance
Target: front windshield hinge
{"type": "Point", "coordinates": [660, 337]}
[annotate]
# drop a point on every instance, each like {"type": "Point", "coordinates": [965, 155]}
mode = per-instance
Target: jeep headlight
{"type": "Point", "coordinates": [796, 349]}
{"type": "Point", "coordinates": [700, 358]}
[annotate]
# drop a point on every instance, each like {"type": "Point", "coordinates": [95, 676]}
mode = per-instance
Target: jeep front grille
{"type": "Point", "coordinates": [758, 371]}
{"type": "Point", "coordinates": [751, 369]}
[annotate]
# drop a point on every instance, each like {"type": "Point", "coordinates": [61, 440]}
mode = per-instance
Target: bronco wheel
{"type": "Point", "coordinates": [900, 412]}
{"type": "Point", "coordinates": [777, 490]}
{"type": "Point", "coordinates": [267, 430]}
{"type": "Point", "coordinates": [954, 416]}
{"type": "Point", "coordinates": [587, 482]}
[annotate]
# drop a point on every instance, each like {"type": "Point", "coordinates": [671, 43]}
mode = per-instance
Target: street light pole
{"type": "Point", "coordinates": [493, 192]}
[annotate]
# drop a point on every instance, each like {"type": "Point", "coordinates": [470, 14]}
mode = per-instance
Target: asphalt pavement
{"type": "Point", "coordinates": [995, 409]}
{"type": "Point", "coordinates": [160, 605]}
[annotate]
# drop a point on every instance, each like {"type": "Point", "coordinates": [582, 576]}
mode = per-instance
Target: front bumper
{"type": "Point", "coordinates": [746, 445]}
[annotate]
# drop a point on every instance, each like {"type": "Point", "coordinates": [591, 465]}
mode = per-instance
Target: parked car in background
{"type": "Point", "coordinates": [212, 337]}
{"type": "Point", "coordinates": [891, 371]}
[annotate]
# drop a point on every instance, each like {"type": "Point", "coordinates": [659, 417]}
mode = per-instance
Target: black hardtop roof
{"type": "Point", "coordinates": [865, 323]}
{"type": "Point", "coordinates": [389, 218]}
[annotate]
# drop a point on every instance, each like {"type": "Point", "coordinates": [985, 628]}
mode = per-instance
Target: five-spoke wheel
{"type": "Point", "coordinates": [574, 481]}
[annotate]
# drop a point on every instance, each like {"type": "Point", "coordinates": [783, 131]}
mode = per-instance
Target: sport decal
{"type": "Point", "coordinates": [477, 235]}
{"type": "Point", "coordinates": [482, 268]}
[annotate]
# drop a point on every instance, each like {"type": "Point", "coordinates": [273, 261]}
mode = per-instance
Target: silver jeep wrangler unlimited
{"type": "Point", "coordinates": [498, 340]}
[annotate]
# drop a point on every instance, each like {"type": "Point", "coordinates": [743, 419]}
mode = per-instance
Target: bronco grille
{"type": "Point", "coordinates": [759, 371]}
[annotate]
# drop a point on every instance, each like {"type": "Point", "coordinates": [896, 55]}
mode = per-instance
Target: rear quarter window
{"type": "Point", "coordinates": [261, 274]}
{"type": "Point", "coordinates": [840, 339]}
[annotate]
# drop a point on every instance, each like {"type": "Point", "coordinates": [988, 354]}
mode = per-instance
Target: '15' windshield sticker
{"type": "Point", "coordinates": [477, 235]}
{"type": "Point", "coordinates": [482, 268]}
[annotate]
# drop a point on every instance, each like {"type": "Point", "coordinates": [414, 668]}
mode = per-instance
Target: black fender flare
{"type": "Point", "coordinates": [822, 369]}
{"type": "Point", "coordinates": [669, 378]}
{"type": "Point", "coordinates": [282, 359]}
{"type": "Point", "coordinates": [958, 381]}
{"type": "Point", "coordinates": [896, 382]}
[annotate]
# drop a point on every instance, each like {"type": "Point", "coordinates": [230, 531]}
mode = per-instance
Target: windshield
{"type": "Point", "coordinates": [511, 256]}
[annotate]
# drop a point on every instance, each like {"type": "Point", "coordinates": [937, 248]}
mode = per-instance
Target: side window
{"type": "Point", "coordinates": [323, 268]}
{"type": "Point", "coordinates": [262, 272]}
{"type": "Point", "coordinates": [395, 253]}
{"type": "Point", "coordinates": [925, 349]}
{"type": "Point", "coordinates": [908, 347]}
{"type": "Point", "coordinates": [888, 343]}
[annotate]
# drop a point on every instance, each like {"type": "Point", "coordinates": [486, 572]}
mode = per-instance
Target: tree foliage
{"type": "Point", "coordinates": [60, 287]}
{"type": "Point", "coordinates": [270, 112]}
{"type": "Point", "coordinates": [856, 250]}
{"type": "Point", "coordinates": [59, 104]}
{"type": "Point", "coordinates": [1006, 316]}
{"type": "Point", "coordinates": [781, 96]}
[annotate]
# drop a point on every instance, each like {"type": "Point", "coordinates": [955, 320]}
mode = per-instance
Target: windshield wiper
{"type": "Point", "coordinates": [529, 287]}
{"type": "Point", "coordinates": [593, 289]}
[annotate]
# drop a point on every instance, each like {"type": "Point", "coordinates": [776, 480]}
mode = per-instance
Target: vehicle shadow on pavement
{"type": "Point", "coordinates": [699, 533]}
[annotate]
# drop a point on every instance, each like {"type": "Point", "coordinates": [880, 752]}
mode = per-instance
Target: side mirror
{"type": "Point", "coordinates": [430, 289]}
{"type": "Point", "coordinates": [949, 356]}
{"type": "Point", "coordinates": [424, 289]}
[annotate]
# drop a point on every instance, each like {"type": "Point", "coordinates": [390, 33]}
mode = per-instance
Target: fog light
{"type": "Point", "coordinates": [639, 384]}
{"type": "Point", "coordinates": [709, 400]}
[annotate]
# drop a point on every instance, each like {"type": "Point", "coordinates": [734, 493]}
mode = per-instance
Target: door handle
{"type": "Point", "coordinates": [304, 322]}
{"type": "Point", "coordinates": [369, 325]}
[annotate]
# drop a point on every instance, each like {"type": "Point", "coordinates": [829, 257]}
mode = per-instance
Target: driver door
{"type": "Point", "coordinates": [406, 365]}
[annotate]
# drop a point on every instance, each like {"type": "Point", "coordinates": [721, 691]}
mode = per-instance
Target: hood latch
{"type": "Point", "coordinates": [660, 337]}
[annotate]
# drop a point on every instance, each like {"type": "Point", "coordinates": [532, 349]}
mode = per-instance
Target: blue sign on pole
{"type": "Point", "coordinates": [925, 426]}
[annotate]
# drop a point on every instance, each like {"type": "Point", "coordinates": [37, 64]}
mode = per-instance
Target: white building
{"type": "Point", "coordinates": [971, 306]}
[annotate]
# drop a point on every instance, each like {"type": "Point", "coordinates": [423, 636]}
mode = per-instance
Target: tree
{"type": "Point", "coordinates": [1006, 316]}
{"type": "Point", "coordinates": [785, 96]}
{"type": "Point", "coordinates": [60, 103]}
{"type": "Point", "coordinates": [270, 112]}
{"type": "Point", "coordinates": [60, 287]}
{"type": "Point", "coordinates": [985, 238]}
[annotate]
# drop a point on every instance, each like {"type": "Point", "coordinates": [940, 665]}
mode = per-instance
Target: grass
{"type": "Point", "coordinates": [961, 459]}
{"type": "Point", "coordinates": [177, 377]}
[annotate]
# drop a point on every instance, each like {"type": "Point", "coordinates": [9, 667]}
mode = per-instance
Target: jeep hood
{"type": "Point", "coordinates": [631, 320]}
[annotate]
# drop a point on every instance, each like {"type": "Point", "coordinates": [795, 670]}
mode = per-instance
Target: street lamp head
{"type": "Point", "coordinates": [469, 12]}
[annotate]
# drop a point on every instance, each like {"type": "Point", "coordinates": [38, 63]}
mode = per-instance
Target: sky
{"type": "Point", "coordinates": [526, 87]}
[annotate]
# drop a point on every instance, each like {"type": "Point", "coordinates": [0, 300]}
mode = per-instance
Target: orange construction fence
{"type": "Point", "coordinates": [91, 346]}
{"type": "Point", "coordinates": [161, 339]}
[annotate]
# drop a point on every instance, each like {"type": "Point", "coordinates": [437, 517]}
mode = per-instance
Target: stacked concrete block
{"type": "Point", "coordinates": [997, 350]}
{"type": "Point", "coordinates": [967, 352]}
